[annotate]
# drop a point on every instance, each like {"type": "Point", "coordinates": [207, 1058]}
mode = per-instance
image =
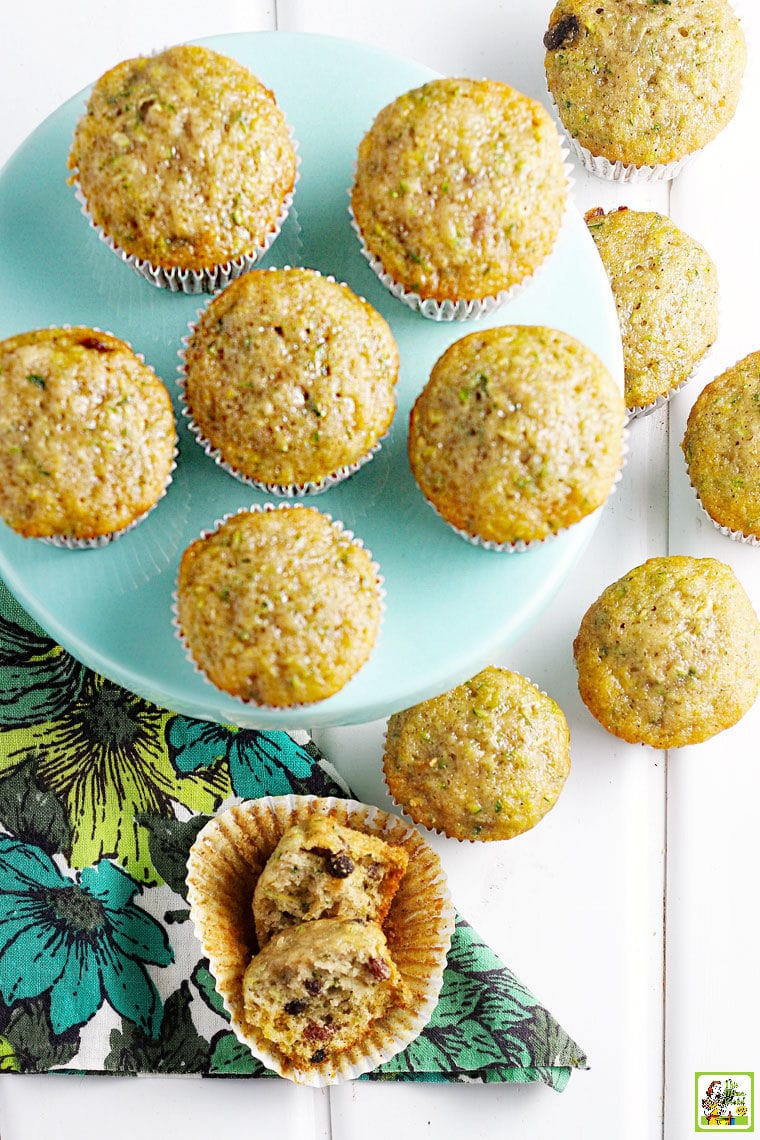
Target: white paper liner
{"type": "Point", "coordinates": [735, 535]}
{"type": "Point", "coordinates": [223, 865]}
{"type": "Point", "coordinates": [639, 412]}
{"type": "Point", "coordinates": [68, 542]}
{"type": "Point", "coordinates": [522, 545]}
{"type": "Point", "coordinates": [206, 280]}
{"type": "Point", "coordinates": [461, 310]}
{"type": "Point", "coordinates": [337, 526]}
{"type": "Point", "coordinates": [440, 830]}
{"type": "Point", "coordinates": [281, 490]}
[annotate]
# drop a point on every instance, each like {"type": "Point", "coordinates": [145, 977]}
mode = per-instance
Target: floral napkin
{"type": "Point", "coordinates": [101, 796]}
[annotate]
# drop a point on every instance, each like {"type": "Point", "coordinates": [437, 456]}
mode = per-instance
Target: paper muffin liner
{"type": "Point", "coordinates": [620, 171]}
{"type": "Point", "coordinates": [339, 528]}
{"type": "Point", "coordinates": [521, 545]}
{"type": "Point", "coordinates": [224, 863]}
{"type": "Point", "coordinates": [639, 412]}
{"type": "Point", "coordinates": [475, 839]}
{"type": "Point", "coordinates": [209, 279]}
{"type": "Point", "coordinates": [281, 490]}
{"type": "Point", "coordinates": [462, 309]}
{"type": "Point", "coordinates": [68, 542]}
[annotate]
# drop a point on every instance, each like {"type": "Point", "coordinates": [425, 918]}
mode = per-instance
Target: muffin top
{"type": "Point", "coordinates": [517, 434]}
{"type": "Point", "coordinates": [290, 376]}
{"type": "Point", "coordinates": [87, 434]}
{"type": "Point", "coordinates": [644, 81]}
{"type": "Point", "coordinates": [670, 653]}
{"type": "Point", "coordinates": [184, 158]}
{"type": "Point", "coordinates": [280, 607]}
{"type": "Point", "coordinates": [722, 447]}
{"type": "Point", "coordinates": [665, 287]}
{"type": "Point", "coordinates": [486, 760]}
{"type": "Point", "coordinates": [460, 188]}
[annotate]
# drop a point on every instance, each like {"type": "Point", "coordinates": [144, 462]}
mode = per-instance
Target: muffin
{"type": "Point", "coordinates": [721, 446]}
{"type": "Point", "coordinates": [315, 988]}
{"type": "Point", "coordinates": [185, 164]}
{"type": "Point", "coordinates": [225, 862]}
{"type": "Point", "coordinates": [459, 194]}
{"type": "Point", "coordinates": [485, 760]}
{"type": "Point", "coordinates": [640, 85]}
{"type": "Point", "coordinates": [517, 434]}
{"type": "Point", "coordinates": [289, 380]}
{"type": "Point", "coordinates": [665, 287]}
{"type": "Point", "coordinates": [87, 438]}
{"type": "Point", "coordinates": [320, 869]}
{"type": "Point", "coordinates": [278, 607]}
{"type": "Point", "coordinates": [669, 654]}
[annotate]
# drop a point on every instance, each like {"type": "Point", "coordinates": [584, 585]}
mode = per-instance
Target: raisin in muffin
{"type": "Point", "coordinates": [316, 988]}
{"type": "Point", "coordinates": [517, 434]}
{"type": "Point", "coordinates": [320, 869]}
{"type": "Point", "coordinates": [640, 85]}
{"type": "Point", "coordinates": [669, 654]}
{"type": "Point", "coordinates": [289, 380]}
{"type": "Point", "coordinates": [280, 607]}
{"type": "Point", "coordinates": [665, 287]}
{"type": "Point", "coordinates": [87, 437]}
{"type": "Point", "coordinates": [185, 163]}
{"type": "Point", "coordinates": [459, 194]}
{"type": "Point", "coordinates": [485, 760]}
{"type": "Point", "coordinates": [721, 446]}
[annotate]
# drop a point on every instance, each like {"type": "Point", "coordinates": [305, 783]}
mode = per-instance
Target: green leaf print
{"type": "Point", "coordinates": [179, 1048]}
{"type": "Point", "coordinates": [230, 1058]}
{"type": "Point", "coordinates": [29, 810]}
{"type": "Point", "coordinates": [31, 1045]}
{"type": "Point", "coordinates": [170, 841]}
{"type": "Point", "coordinates": [204, 980]}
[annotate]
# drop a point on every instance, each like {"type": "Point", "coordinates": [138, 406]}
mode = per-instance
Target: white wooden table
{"type": "Point", "coordinates": [617, 910]}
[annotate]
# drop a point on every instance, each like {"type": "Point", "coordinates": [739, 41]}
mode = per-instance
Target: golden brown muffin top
{"type": "Point", "coordinates": [291, 376]}
{"type": "Point", "coordinates": [722, 447]}
{"type": "Point", "coordinates": [184, 158]}
{"type": "Point", "coordinates": [87, 434]}
{"type": "Point", "coordinates": [644, 81]}
{"type": "Point", "coordinates": [517, 434]}
{"type": "Point", "coordinates": [460, 188]}
{"type": "Point", "coordinates": [670, 653]}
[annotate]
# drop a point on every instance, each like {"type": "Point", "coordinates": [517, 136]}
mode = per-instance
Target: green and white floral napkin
{"type": "Point", "coordinates": [101, 796]}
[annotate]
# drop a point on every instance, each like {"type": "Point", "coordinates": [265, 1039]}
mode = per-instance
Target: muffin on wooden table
{"type": "Point", "coordinates": [289, 380]}
{"type": "Point", "coordinates": [459, 195]}
{"type": "Point", "coordinates": [321, 869]}
{"type": "Point", "coordinates": [485, 760]}
{"type": "Point", "coordinates": [185, 165]}
{"type": "Point", "coordinates": [669, 654]}
{"type": "Point", "coordinates": [722, 450]}
{"type": "Point", "coordinates": [517, 435]}
{"type": "Point", "coordinates": [87, 437]}
{"type": "Point", "coordinates": [665, 287]}
{"type": "Point", "coordinates": [280, 607]}
{"type": "Point", "coordinates": [640, 85]}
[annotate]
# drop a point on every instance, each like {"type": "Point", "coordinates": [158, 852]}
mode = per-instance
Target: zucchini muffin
{"type": "Point", "coordinates": [665, 287]}
{"type": "Point", "coordinates": [643, 83]}
{"type": "Point", "coordinates": [669, 654]}
{"type": "Point", "coordinates": [278, 606]}
{"type": "Point", "coordinates": [316, 988]}
{"type": "Point", "coordinates": [721, 446]}
{"type": "Point", "coordinates": [485, 760]}
{"type": "Point", "coordinates": [289, 380]}
{"type": "Point", "coordinates": [224, 865]}
{"type": "Point", "coordinates": [87, 438]}
{"type": "Point", "coordinates": [185, 164]}
{"type": "Point", "coordinates": [517, 435]}
{"type": "Point", "coordinates": [320, 869]}
{"type": "Point", "coordinates": [459, 194]}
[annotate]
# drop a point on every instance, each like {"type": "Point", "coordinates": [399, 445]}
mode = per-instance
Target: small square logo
{"type": "Point", "coordinates": [724, 1100]}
